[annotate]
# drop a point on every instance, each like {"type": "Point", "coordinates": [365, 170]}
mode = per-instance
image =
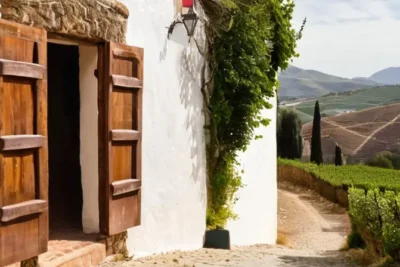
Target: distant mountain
{"type": "Point", "coordinates": [363, 80]}
{"type": "Point", "coordinates": [389, 76]}
{"type": "Point", "coordinates": [300, 83]}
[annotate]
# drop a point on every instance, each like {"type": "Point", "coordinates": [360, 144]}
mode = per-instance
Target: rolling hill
{"type": "Point", "coordinates": [389, 76]}
{"type": "Point", "coordinates": [360, 134]}
{"type": "Point", "coordinates": [335, 104]}
{"type": "Point", "coordinates": [299, 83]}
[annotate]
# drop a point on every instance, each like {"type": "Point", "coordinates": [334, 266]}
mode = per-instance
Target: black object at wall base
{"type": "Point", "coordinates": [217, 239]}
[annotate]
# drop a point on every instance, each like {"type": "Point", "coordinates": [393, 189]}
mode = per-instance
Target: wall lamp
{"type": "Point", "coordinates": [189, 19]}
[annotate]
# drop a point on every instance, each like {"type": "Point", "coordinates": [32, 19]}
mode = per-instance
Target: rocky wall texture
{"type": "Point", "coordinates": [94, 20]}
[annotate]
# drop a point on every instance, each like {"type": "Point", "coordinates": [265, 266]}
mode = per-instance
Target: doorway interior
{"type": "Point", "coordinates": [65, 186]}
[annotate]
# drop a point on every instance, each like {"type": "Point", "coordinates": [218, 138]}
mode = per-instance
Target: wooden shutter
{"type": "Point", "coordinates": [120, 75]}
{"type": "Point", "coordinates": [23, 143]}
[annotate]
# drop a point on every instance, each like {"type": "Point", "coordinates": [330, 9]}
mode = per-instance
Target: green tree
{"type": "Point", "coordinates": [338, 156]}
{"type": "Point", "coordinates": [316, 147]}
{"type": "Point", "coordinates": [289, 139]}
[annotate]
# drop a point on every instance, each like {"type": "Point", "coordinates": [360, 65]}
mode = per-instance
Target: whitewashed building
{"type": "Point", "coordinates": [102, 131]}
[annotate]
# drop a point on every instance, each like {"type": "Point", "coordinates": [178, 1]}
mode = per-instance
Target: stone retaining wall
{"type": "Point", "coordinates": [94, 20]}
{"type": "Point", "coordinates": [302, 178]}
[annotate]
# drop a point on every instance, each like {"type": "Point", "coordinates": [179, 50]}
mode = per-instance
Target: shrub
{"type": "Point", "coordinates": [360, 176]}
{"type": "Point", "coordinates": [376, 216]}
{"type": "Point", "coordinates": [396, 161]}
{"type": "Point", "coordinates": [389, 206]}
{"type": "Point", "coordinates": [385, 159]}
{"type": "Point", "coordinates": [223, 193]}
{"type": "Point", "coordinates": [381, 162]}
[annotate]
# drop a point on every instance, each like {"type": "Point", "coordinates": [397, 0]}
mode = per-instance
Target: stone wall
{"type": "Point", "coordinates": [94, 20]}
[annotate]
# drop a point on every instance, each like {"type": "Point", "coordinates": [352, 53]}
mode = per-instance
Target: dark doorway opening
{"type": "Point", "coordinates": [65, 187]}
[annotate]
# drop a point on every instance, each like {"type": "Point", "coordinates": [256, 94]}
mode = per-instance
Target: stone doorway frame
{"type": "Point", "coordinates": [85, 20]}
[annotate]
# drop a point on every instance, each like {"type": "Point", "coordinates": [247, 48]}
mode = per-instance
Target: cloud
{"type": "Point", "coordinates": [347, 11]}
{"type": "Point", "coordinates": [348, 38]}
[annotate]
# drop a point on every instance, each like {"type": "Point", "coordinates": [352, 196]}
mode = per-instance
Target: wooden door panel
{"type": "Point", "coordinates": [120, 73]}
{"type": "Point", "coordinates": [23, 142]}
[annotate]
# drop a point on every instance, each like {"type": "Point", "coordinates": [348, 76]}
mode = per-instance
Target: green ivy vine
{"type": "Point", "coordinates": [248, 42]}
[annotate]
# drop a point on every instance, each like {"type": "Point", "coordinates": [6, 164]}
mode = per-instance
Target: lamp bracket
{"type": "Point", "coordinates": [180, 20]}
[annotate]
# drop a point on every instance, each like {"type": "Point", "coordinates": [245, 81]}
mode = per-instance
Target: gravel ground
{"type": "Point", "coordinates": [257, 256]}
{"type": "Point", "coordinates": [315, 229]}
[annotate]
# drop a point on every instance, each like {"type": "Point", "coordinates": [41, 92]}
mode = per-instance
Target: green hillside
{"type": "Point", "coordinates": [299, 83]}
{"type": "Point", "coordinates": [334, 104]}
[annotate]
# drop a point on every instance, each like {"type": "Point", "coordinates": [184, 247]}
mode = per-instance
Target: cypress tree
{"type": "Point", "coordinates": [338, 156]}
{"type": "Point", "coordinates": [316, 148]}
{"type": "Point", "coordinates": [289, 139]}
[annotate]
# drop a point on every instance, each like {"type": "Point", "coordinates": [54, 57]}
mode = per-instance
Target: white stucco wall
{"type": "Point", "coordinates": [89, 138]}
{"type": "Point", "coordinates": [174, 165]}
{"type": "Point", "coordinates": [257, 204]}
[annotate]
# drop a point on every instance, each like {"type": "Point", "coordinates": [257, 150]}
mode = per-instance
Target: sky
{"type": "Point", "coordinates": [348, 38]}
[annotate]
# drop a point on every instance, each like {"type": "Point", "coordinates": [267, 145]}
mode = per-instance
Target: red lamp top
{"type": "Point", "coordinates": [187, 3]}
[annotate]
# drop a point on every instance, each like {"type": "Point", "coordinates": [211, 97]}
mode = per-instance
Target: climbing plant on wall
{"type": "Point", "coordinates": [248, 42]}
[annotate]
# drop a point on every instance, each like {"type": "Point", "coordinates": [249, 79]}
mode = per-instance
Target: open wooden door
{"type": "Point", "coordinates": [23, 143]}
{"type": "Point", "coordinates": [120, 75]}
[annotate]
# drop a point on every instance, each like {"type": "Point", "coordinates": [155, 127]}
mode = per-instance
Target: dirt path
{"type": "Point", "coordinates": [315, 229]}
{"type": "Point", "coordinates": [309, 221]}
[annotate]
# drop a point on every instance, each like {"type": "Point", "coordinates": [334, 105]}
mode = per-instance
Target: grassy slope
{"type": "Point", "coordinates": [358, 100]}
{"type": "Point", "coordinates": [297, 82]}
{"type": "Point", "coordinates": [351, 175]}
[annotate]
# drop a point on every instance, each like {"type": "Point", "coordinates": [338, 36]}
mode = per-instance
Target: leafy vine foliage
{"type": "Point", "coordinates": [249, 41]}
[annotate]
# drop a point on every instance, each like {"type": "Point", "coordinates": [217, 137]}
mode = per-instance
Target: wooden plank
{"type": "Point", "coordinates": [21, 69]}
{"type": "Point", "coordinates": [17, 169]}
{"type": "Point", "coordinates": [20, 31]}
{"type": "Point", "coordinates": [139, 118]}
{"type": "Point", "coordinates": [111, 64]}
{"type": "Point", "coordinates": [123, 210]}
{"type": "Point", "coordinates": [42, 154]}
{"type": "Point", "coordinates": [2, 173]}
{"type": "Point", "coordinates": [126, 82]}
{"type": "Point", "coordinates": [19, 142]}
{"type": "Point", "coordinates": [125, 135]}
{"type": "Point", "coordinates": [119, 111]}
{"type": "Point", "coordinates": [103, 66]}
{"type": "Point", "coordinates": [69, 40]}
{"type": "Point", "coordinates": [20, 114]}
{"type": "Point", "coordinates": [126, 186]}
{"type": "Point", "coordinates": [125, 54]}
{"type": "Point", "coordinates": [12, 212]}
